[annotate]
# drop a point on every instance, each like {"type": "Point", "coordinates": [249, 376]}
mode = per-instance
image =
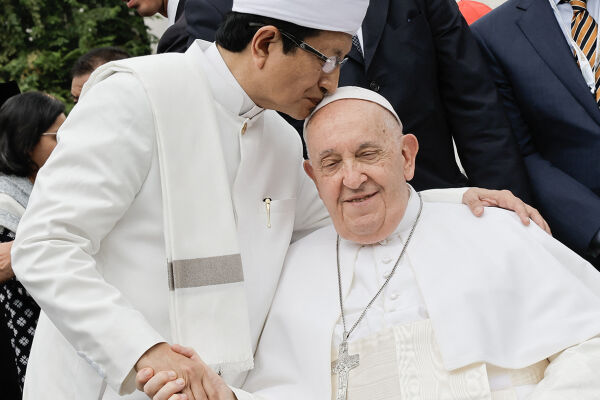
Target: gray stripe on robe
{"type": "Point", "coordinates": [208, 271]}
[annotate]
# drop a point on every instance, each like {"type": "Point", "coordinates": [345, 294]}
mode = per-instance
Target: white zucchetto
{"type": "Point", "coordinates": [330, 15]}
{"type": "Point", "coordinates": [354, 92]}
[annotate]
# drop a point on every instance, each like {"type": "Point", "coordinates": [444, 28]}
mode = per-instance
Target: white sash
{"type": "Point", "coordinates": [208, 309]}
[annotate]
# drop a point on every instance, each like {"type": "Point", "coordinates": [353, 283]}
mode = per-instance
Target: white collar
{"type": "Point", "coordinates": [226, 89]}
{"type": "Point", "coordinates": [408, 219]}
{"type": "Point", "coordinates": [172, 11]}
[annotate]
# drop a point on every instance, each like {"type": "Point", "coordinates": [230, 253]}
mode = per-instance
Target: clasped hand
{"type": "Point", "coordinates": [177, 373]}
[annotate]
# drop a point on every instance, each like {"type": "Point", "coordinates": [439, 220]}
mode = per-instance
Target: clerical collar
{"type": "Point", "coordinates": [408, 219]}
{"type": "Point", "coordinates": [225, 88]}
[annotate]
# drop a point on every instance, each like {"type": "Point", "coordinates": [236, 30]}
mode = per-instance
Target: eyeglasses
{"type": "Point", "coordinates": [329, 63]}
{"type": "Point", "coordinates": [49, 134]}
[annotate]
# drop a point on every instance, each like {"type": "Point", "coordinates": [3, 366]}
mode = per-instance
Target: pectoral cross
{"type": "Point", "coordinates": [342, 367]}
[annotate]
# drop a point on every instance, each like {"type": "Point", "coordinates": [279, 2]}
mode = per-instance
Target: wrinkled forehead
{"type": "Point", "coordinates": [340, 113]}
{"type": "Point", "coordinates": [353, 93]}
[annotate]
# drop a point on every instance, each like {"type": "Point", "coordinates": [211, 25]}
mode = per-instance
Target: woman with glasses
{"type": "Point", "coordinates": [28, 126]}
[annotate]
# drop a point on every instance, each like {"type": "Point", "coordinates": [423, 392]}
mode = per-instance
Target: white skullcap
{"type": "Point", "coordinates": [354, 92]}
{"type": "Point", "coordinates": [328, 15]}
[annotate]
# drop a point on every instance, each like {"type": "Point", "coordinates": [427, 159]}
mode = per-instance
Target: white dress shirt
{"type": "Point", "coordinates": [566, 11]}
{"type": "Point", "coordinates": [564, 14]}
{"type": "Point", "coordinates": [172, 11]}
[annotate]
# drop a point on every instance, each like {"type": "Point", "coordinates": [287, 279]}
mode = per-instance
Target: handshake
{"type": "Point", "coordinates": [174, 372]}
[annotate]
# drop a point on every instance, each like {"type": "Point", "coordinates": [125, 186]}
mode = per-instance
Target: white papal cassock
{"type": "Point", "coordinates": [479, 308]}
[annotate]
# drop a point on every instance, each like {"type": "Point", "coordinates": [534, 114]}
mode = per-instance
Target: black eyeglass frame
{"type": "Point", "coordinates": [329, 63]}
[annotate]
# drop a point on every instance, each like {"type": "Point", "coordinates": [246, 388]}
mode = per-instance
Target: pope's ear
{"type": "Point", "coordinates": [260, 43]}
{"type": "Point", "coordinates": [410, 147]}
{"type": "Point", "coordinates": [308, 168]}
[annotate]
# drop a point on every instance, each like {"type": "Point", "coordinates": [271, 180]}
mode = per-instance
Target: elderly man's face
{"type": "Point", "coordinates": [360, 162]}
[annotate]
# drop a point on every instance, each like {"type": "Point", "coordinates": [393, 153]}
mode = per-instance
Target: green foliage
{"type": "Point", "coordinates": [41, 39]}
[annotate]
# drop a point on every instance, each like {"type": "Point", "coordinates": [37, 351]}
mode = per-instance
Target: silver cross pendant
{"type": "Point", "coordinates": [342, 367]}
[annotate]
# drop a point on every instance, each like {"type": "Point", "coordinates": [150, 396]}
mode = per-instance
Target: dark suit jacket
{"type": "Point", "coordinates": [421, 56]}
{"type": "Point", "coordinates": [552, 113]}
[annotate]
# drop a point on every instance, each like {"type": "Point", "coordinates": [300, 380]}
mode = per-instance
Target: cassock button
{"type": "Point", "coordinates": [387, 274]}
{"type": "Point", "coordinates": [374, 86]}
{"type": "Point", "coordinates": [394, 296]}
{"type": "Point", "coordinates": [244, 127]}
{"type": "Point", "coordinates": [386, 260]}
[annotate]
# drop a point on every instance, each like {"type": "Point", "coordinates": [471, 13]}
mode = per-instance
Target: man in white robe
{"type": "Point", "coordinates": [92, 248]}
{"type": "Point", "coordinates": [467, 308]}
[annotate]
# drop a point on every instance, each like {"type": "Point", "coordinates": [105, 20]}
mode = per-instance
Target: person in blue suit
{"type": "Point", "coordinates": [421, 56]}
{"type": "Point", "coordinates": [552, 111]}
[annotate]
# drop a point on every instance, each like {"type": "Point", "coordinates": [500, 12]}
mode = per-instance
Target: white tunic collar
{"type": "Point", "coordinates": [225, 88]}
{"type": "Point", "coordinates": [172, 11]}
{"type": "Point", "coordinates": [403, 228]}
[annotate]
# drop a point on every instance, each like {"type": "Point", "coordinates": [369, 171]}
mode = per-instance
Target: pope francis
{"type": "Point", "coordinates": [413, 300]}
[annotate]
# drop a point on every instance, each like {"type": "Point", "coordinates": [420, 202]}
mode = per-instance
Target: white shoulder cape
{"type": "Point", "coordinates": [496, 291]}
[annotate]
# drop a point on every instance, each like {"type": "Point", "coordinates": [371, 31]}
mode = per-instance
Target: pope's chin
{"type": "Point", "coordinates": [363, 229]}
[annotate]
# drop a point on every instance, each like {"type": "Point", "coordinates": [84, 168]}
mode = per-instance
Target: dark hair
{"type": "Point", "coordinates": [23, 119]}
{"type": "Point", "coordinates": [87, 63]}
{"type": "Point", "coordinates": [235, 33]}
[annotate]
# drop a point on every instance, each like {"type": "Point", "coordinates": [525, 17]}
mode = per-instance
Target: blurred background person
{"type": "Point", "coordinates": [28, 126]}
{"type": "Point", "coordinates": [167, 8]}
{"type": "Point", "coordinates": [175, 37]}
{"type": "Point", "coordinates": [87, 63]}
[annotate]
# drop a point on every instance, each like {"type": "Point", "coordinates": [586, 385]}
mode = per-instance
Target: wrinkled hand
{"type": "Point", "coordinates": [477, 199]}
{"type": "Point", "coordinates": [165, 385]}
{"type": "Point", "coordinates": [6, 271]}
{"type": "Point", "coordinates": [160, 357]}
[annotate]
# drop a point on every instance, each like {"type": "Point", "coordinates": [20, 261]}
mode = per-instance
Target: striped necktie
{"type": "Point", "coordinates": [356, 43]}
{"type": "Point", "coordinates": [584, 31]}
